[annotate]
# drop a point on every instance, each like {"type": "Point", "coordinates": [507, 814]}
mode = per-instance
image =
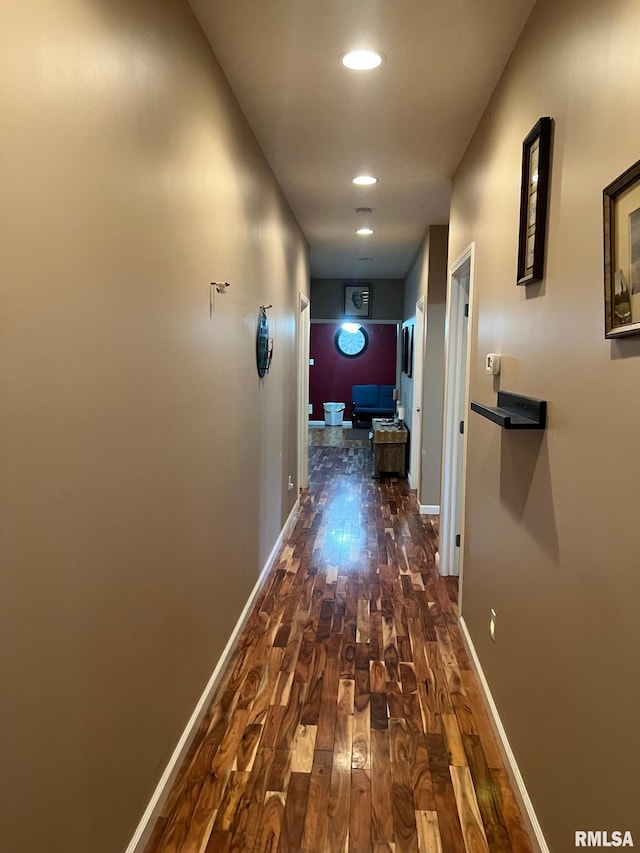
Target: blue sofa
{"type": "Point", "coordinates": [371, 401]}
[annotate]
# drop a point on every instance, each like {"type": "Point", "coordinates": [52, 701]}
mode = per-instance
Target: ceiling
{"type": "Point", "coordinates": [407, 122]}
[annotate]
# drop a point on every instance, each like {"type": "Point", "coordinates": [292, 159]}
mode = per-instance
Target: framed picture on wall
{"type": "Point", "coordinates": [357, 299]}
{"type": "Point", "coordinates": [405, 349]}
{"type": "Point", "coordinates": [410, 358]}
{"type": "Point", "coordinates": [534, 191]}
{"type": "Point", "coordinates": [621, 227]}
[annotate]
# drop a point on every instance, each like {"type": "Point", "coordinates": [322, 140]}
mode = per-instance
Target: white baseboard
{"type": "Point", "coordinates": [316, 423]}
{"type": "Point", "coordinates": [152, 812]}
{"type": "Point", "coordinates": [429, 509]}
{"type": "Point", "coordinates": [520, 790]}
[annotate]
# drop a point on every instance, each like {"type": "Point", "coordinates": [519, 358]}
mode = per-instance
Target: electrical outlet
{"type": "Point", "coordinates": [492, 625]}
{"type": "Point", "coordinates": [290, 483]}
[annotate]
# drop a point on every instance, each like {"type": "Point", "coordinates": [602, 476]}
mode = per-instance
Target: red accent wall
{"type": "Point", "coordinates": [332, 375]}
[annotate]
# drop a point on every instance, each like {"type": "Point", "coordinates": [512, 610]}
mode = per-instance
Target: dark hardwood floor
{"type": "Point", "coordinates": [349, 720]}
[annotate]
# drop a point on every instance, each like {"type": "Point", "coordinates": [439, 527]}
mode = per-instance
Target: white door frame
{"type": "Point", "coordinates": [456, 407]}
{"type": "Point", "coordinates": [415, 453]}
{"type": "Point", "coordinates": [303, 324]}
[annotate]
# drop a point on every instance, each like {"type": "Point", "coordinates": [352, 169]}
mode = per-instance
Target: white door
{"type": "Point", "coordinates": [415, 453]}
{"type": "Point", "coordinates": [303, 391]}
{"type": "Point", "coordinates": [456, 407]}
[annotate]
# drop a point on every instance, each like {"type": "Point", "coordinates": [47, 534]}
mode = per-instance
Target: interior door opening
{"type": "Point", "coordinates": [303, 391]}
{"type": "Point", "coordinates": [457, 351]}
{"type": "Point", "coordinates": [415, 463]}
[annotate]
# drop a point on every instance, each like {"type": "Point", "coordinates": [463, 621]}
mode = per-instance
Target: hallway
{"type": "Point", "coordinates": [349, 719]}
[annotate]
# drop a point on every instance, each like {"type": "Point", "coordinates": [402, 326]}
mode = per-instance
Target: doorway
{"type": "Point", "coordinates": [303, 391]}
{"type": "Point", "coordinates": [415, 452]}
{"type": "Point", "coordinates": [457, 369]}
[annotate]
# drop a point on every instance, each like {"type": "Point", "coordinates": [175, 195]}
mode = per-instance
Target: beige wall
{"type": "Point", "coordinates": [428, 277]}
{"type": "Point", "coordinates": [552, 538]}
{"type": "Point", "coordinates": [143, 465]}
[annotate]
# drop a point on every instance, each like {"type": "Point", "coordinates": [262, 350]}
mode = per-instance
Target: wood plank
{"type": "Point", "coordinates": [213, 788]}
{"type": "Point", "coordinates": [182, 802]}
{"type": "Point", "coordinates": [421, 782]}
{"type": "Point", "coordinates": [267, 686]}
{"type": "Point", "coordinates": [311, 707]}
{"type": "Point", "coordinates": [271, 825]}
{"type": "Point", "coordinates": [394, 699]}
{"type": "Point", "coordinates": [272, 725]}
{"type": "Point", "coordinates": [363, 634]}
{"type": "Point", "coordinates": [348, 658]}
{"type": "Point", "coordinates": [481, 720]}
{"type": "Point", "coordinates": [405, 831]}
{"type": "Point", "coordinates": [475, 840]}
{"type": "Point", "coordinates": [339, 798]}
{"type": "Point", "coordinates": [360, 757]}
{"type": "Point", "coordinates": [382, 817]}
{"type": "Point", "coordinates": [291, 717]}
{"type": "Point", "coordinates": [390, 648]}
{"type": "Point", "coordinates": [377, 677]}
{"type": "Point", "coordinates": [303, 749]}
{"type": "Point", "coordinates": [487, 796]}
{"type": "Point", "coordinates": [446, 804]}
{"type": "Point", "coordinates": [247, 818]}
{"type": "Point", "coordinates": [326, 723]}
{"type": "Point", "coordinates": [518, 836]}
{"type": "Point", "coordinates": [219, 842]}
{"type": "Point", "coordinates": [379, 711]}
{"type": "Point", "coordinates": [280, 770]}
{"type": "Point", "coordinates": [233, 794]}
{"type": "Point", "coordinates": [294, 813]}
{"type": "Point", "coordinates": [317, 817]}
{"type": "Point", "coordinates": [248, 747]}
{"type": "Point", "coordinates": [429, 840]}
{"type": "Point", "coordinates": [363, 657]}
{"type": "Point", "coordinates": [346, 695]}
{"type": "Point", "coordinates": [360, 812]}
{"type": "Point", "coordinates": [282, 692]}
{"type": "Point", "coordinates": [408, 678]}
{"type": "Point", "coordinates": [453, 740]}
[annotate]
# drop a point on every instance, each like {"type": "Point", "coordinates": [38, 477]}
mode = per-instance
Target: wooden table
{"type": "Point", "coordinates": [389, 447]}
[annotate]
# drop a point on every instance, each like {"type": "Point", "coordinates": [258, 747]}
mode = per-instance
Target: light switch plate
{"type": "Point", "coordinates": [492, 364]}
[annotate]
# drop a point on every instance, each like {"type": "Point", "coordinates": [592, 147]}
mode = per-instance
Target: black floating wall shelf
{"type": "Point", "coordinates": [515, 411]}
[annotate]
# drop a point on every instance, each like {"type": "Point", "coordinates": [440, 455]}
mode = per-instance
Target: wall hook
{"type": "Point", "coordinates": [221, 287]}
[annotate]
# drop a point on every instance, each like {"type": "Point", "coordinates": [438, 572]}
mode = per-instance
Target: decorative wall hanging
{"type": "Point", "coordinates": [621, 223]}
{"type": "Point", "coordinates": [264, 344]}
{"type": "Point", "coordinates": [357, 299]}
{"type": "Point", "coordinates": [405, 349]}
{"type": "Point", "coordinates": [534, 191]}
{"type": "Point", "coordinates": [410, 358]}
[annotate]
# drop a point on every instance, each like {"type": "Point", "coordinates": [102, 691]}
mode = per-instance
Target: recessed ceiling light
{"type": "Point", "coordinates": [361, 60]}
{"type": "Point", "coordinates": [365, 231]}
{"type": "Point", "coordinates": [365, 180]}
